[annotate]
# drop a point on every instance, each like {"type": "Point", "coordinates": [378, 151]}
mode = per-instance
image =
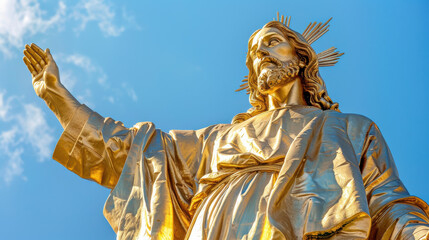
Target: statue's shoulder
{"type": "Point", "coordinates": [354, 122]}
{"type": "Point", "coordinates": [214, 129]}
{"type": "Point", "coordinates": [356, 127]}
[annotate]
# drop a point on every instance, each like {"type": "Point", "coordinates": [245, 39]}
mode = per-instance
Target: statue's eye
{"type": "Point", "coordinates": [273, 41]}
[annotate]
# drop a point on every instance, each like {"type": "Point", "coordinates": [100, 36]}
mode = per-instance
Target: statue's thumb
{"type": "Point", "coordinates": [48, 54]}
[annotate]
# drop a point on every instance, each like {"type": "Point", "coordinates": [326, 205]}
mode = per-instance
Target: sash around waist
{"type": "Point", "coordinates": [213, 180]}
{"type": "Point", "coordinates": [217, 177]}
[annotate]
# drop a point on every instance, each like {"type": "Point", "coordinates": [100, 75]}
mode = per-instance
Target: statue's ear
{"type": "Point", "coordinates": [303, 61]}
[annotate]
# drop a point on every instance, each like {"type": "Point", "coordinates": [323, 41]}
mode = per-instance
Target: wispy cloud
{"type": "Point", "coordinates": [100, 12]}
{"type": "Point", "coordinates": [68, 79]}
{"type": "Point", "coordinates": [24, 18]}
{"type": "Point", "coordinates": [36, 131]}
{"type": "Point", "coordinates": [95, 74]}
{"type": "Point", "coordinates": [11, 152]}
{"type": "Point", "coordinates": [129, 91]}
{"type": "Point", "coordinates": [4, 106]}
{"type": "Point", "coordinates": [111, 99]}
{"type": "Point", "coordinates": [21, 19]}
{"type": "Point", "coordinates": [80, 61]}
{"type": "Point", "coordinates": [26, 127]}
{"type": "Point", "coordinates": [132, 94]}
{"type": "Point", "coordinates": [85, 63]}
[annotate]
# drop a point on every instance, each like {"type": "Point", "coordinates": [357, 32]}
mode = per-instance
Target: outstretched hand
{"type": "Point", "coordinates": [43, 69]}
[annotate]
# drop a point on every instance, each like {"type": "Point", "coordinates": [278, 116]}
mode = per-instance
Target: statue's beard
{"type": "Point", "coordinates": [274, 77]}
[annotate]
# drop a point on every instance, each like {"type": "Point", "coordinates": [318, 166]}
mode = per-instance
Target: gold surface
{"type": "Point", "coordinates": [292, 167]}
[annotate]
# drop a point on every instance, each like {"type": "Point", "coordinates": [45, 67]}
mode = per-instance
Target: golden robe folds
{"type": "Point", "coordinates": [290, 173]}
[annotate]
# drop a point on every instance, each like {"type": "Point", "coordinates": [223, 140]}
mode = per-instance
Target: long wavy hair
{"type": "Point", "coordinates": [314, 89]}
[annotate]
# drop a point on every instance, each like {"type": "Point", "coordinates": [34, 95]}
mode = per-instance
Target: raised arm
{"type": "Point", "coordinates": [47, 84]}
{"type": "Point", "coordinates": [91, 146]}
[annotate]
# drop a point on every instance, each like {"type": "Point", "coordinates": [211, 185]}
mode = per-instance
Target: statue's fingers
{"type": "Point", "coordinates": [39, 56]}
{"type": "Point", "coordinates": [30, 57]}
{"type": "Point", "coordinates": [35, 64]}
{"type": "Point", "coordinates": [42, 63]}
{"type": "Point", "coordinates": [29, 66]}
{"type": "Point", "coordinates": [33, 53]}
{"type": "Point", "coordinates": [35, 61]}
{"type": "Point", "coordinates": [39, 51]}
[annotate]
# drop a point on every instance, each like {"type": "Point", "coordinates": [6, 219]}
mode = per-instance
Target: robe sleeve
{"type": "Point", "coordinates": [94, 147]}
{"type": "Point", "coordinates": [395, 214]}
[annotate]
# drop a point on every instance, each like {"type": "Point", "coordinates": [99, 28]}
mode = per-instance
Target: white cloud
{"type": "Point", "coordinates": [130, 19]}
{"type": "Point", "coordinates": [36, 131]}
{"type": "Point", "coordinates": [24, 18]}
{"type": "Point", "coordinates": [80, 61]}
{"type": "Point", "coordinates": [100, 12]}
{"type": "Point", "coordinates": [129, 91]}
{"type": "Point", "coordinates": [21, 19]}
{"type": "Point", "coordinates": [4, 106]}
{"type": "Point", "coordinates": [92, 74]}
{"type": "Point", "coordinates": [102, 79]}
{"type": "Point", "coordinates": [25, 126]}
{"type": "Point", "coordinates": [132, 94]}
{"type": "Point", "coordinates": [85, 63]}
{"type": "Point", "coordinates": [68, 79]}
{"type": "Point", "coordinates": [9, 146]}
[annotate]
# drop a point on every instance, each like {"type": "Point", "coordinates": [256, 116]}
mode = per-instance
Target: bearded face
{"type": "Point", "coordinates": [275, 61]}
{"type": "Point", "coordinates": [275, 74]}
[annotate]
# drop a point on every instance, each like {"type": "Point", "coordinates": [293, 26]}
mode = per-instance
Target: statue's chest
{"type": "Point", "coordinates": [264, 139]}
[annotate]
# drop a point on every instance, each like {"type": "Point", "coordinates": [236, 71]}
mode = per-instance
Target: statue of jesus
{"type": "Point", "coordinates": [292, 167]}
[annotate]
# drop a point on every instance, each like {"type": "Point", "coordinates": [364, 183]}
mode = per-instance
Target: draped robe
{"type": "Point", "coordinates": [290, 173]}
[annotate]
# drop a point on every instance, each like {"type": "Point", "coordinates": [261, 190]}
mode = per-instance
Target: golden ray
{"type": "Point", "coordinates": [312, 33]}
{"type": "Point", "coordinates": [245, 85]}
{"type": "Point", "coordinates": [283, 19]}
{"type": "Point", "coordinates": [329, 57]}
{"type": "Point", "coordinates": [310, 26]}
{"type": "Point", "coordinates": [242, 88]}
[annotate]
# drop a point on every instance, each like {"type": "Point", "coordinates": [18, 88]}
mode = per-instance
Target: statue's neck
{"type": "Point", "coordinates": [289, 95]}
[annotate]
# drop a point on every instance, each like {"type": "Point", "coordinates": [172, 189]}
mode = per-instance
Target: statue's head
{"type": "Point", "coordinates": [276, 55]}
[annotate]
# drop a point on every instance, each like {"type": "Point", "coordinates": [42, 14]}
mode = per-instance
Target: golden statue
{"type": "Point", "coordinates": [292, 167]}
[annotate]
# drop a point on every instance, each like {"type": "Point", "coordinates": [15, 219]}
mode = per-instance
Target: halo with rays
{"type": "Point", "coordinates": [312, 32]}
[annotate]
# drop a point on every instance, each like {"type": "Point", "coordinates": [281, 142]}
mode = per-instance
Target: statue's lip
{"type": "Point", "coordinates": [267, 60]}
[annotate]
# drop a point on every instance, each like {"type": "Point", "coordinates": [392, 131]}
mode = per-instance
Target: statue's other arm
{"type": "Point", "coordinates": [91, 146]}
{"type": "Point", "coordinates": [395, 214]}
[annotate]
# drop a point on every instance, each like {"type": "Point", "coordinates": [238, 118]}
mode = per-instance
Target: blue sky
{"type": "Point", "coordinates": [177, 65]}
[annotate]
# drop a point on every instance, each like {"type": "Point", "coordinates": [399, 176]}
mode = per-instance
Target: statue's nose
{"type": "Point", "coordinates": [260, 53]}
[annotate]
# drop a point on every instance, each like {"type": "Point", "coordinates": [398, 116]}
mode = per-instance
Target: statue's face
{"type": "Point", "coordinates": [270, 42]}
{"type": "Point", "coordinates": [272, 57]}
